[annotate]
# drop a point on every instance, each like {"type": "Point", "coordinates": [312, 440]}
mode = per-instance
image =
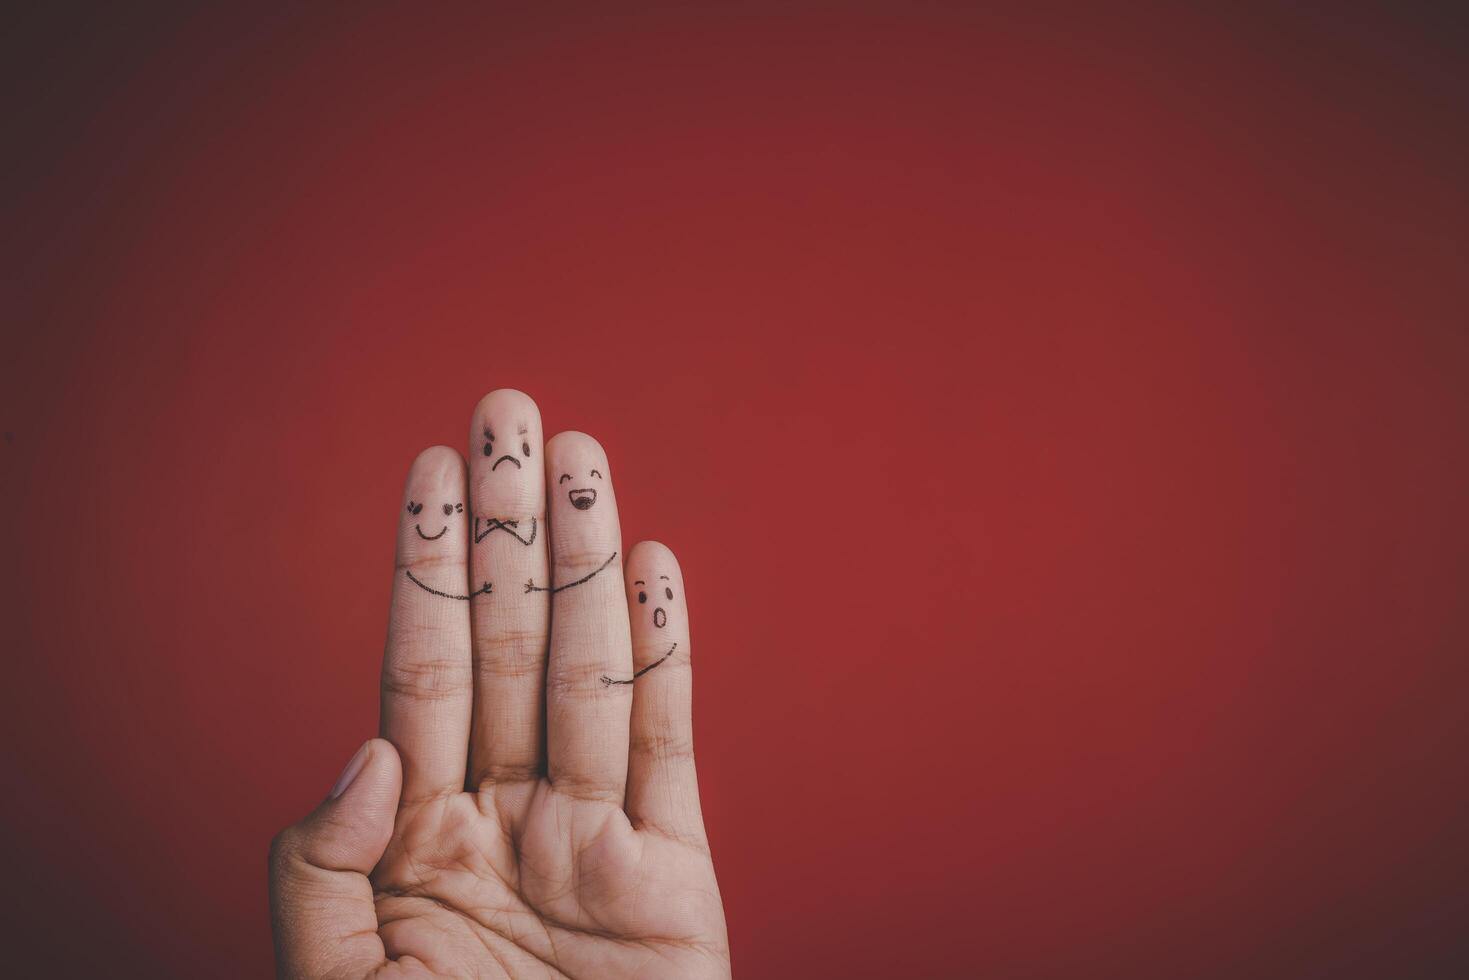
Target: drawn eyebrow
{"type": "Point", "coordinates": [522, 430]}
{"type": "Point", "coordinates": [488, 433]}
{"type": "Point", "coordinates": [664, 577]}
{"type": "Point", "coordinates": [596, 474]}
{"type": "Point", "coordinates": [638, 582]}
{"type": "Point", "coordinates": [564, 477]}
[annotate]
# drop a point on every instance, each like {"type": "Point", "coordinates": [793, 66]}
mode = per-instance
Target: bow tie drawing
{"type": "Point", "coordinates": [509, 527]}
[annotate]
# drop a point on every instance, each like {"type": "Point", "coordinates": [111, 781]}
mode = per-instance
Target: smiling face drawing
{"type": "Point", "coordinates": [414, 509]}
{"type": "Point", "coordinates": [522, 432]}
{"type": "Point", "coordinates": [582, 498]}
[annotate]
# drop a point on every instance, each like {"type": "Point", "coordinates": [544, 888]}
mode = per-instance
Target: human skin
{"type": "Point", "coordinates": [531, 808]}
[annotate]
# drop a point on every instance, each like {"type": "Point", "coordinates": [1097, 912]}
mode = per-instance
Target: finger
{"type": "Point", "coordinates": [321, 903]}
{"type": "Point", "coordinates": [586, 718]}
{"type": "Point", "coordinates": [662, 788]}
{"type": "Point", "coordinates": [426, 668]}
{"type": "Point", "coordinates": [507, 479]}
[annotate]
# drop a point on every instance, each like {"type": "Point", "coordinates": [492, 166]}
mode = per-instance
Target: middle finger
{"type": "Point", "coordinates": [507, 487]}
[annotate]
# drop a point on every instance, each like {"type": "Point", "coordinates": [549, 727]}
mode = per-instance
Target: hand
{"type": "Point", "coordinates": [531, 809]}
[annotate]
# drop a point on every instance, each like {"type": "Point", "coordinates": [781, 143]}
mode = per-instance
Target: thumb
{"type": "Point", "coordinates": [321, 905]}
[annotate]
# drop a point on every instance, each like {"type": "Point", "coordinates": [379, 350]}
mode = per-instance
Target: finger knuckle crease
{"type": "Point", "coordinates": [425, 680]}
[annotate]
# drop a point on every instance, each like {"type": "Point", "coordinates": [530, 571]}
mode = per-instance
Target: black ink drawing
{"type": "Point", "coordinates": [660, 618]}
{"type": "Point", "coordinates": [531, 586]}
{"type": "Point", "coordinates": [415, 509]}
{"type": "Point", "coordinates": [608, 682]}
{"type": "Point", "coordinates": [581, 499]}
{"type": "Point", "coordinates": [509, 527]}
{"type": "Point", "coordinates": [507, 457]}
{"type": "Point", "coordinates": [482, 590]}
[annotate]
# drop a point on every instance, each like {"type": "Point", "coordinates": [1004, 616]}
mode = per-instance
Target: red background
{"type": "Point", "coordinates": [1060, 416]}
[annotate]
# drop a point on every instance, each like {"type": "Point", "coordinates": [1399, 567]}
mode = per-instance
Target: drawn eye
{"type": "Point", "coordinates": [525, 448]}
{"type": "Point", "coordinates": [489, 449]}
{"type": "Point", "coordinates": [596, 474]}
{"type": "Point", "coordinates": [564, 477]}
{"type": "Point", "coordinates": [668, 592]}
{"type": "Point", "coordinates": [448, 509]}
{"type": "Point", "coordinates": [458, 508]}
{"type": "Point", "coordinates": [409, 508]}
{"type": "Point", "coordinates": [642, 597]}
{"type": "Point", "coordinates": [414, 508]}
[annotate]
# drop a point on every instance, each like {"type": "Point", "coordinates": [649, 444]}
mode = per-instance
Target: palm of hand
{"type": "Point", "coordinates": [532, 808]}
{"type": "Point", "coordinates": [521, 881]}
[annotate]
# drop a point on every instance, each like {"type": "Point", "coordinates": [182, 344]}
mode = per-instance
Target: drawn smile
{"type": "Point", "coordinates": [430, 538]}
{"type": "Point", "coordinates": [506, 458]}
{"type": "Point", "coordinates": [583, 499]}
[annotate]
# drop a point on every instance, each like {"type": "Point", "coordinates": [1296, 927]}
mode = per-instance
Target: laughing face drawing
{"type": "Point", "coordinates": [582, 498]}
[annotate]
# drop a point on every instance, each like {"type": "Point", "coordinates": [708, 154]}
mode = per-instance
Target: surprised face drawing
{"type": "Point", "coordinates": [660, 615]}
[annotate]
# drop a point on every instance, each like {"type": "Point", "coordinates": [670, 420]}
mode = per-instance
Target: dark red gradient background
{"type": "Point", "coordinates": [1061, 417]}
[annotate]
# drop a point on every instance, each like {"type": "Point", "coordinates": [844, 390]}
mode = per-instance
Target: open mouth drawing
{"type": "Point", "coordinates": [582, 499]}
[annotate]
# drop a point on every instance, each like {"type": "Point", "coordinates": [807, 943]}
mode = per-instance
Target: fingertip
{"type": "Point", "coordinates": [386, 782]}
{"type": "Point", "coordinates": [582, 506]}
{"type": "Point", "coordinates": [506, 401]}
{"type": "Point", "coordinates": [376, 770]}
{"type": "Point", "coordinates": [652, 565]}
{"type": "Point", "coordinates": [505, 451]}
{"type": "Point", "coordinates": [646, 555]}
{"type": "Point", "coordinates": [572, 446]}
{"type": "Point", "coordinates": [362, 811]}
{"type": "Point", "coordinates": [436, 465]}
{"type": "Point", "coordinates": [383, 755]}
{"type": "Point", "coordinates": [433, 503]}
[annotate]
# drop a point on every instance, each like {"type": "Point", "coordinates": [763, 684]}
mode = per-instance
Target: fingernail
{"type": "Point", "coordinates": [350, 773]}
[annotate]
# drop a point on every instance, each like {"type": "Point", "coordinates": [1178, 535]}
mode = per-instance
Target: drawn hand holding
{"type": "Point", "coordinates": [531, 808]}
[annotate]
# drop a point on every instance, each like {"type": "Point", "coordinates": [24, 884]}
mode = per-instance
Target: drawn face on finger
{"type": "Point", "coordinates": [659, 596]}
{"type": "Point", "coordinates": [415, 511]}
{"type": "Point", "coordinates": [511, 454]}
{"type": "Point", "coordinates": [582, 498]}
{"type": "Point", "coordinates": [507, 475]}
